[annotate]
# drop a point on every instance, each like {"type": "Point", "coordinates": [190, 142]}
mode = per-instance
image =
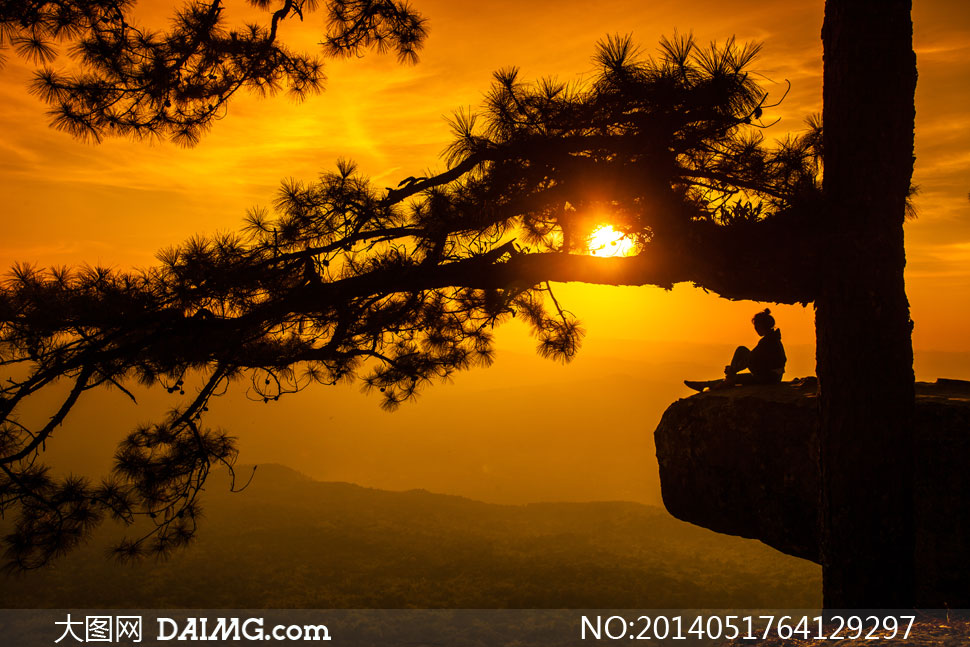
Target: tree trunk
{"type": "Point", "coordinates": [865, 356]}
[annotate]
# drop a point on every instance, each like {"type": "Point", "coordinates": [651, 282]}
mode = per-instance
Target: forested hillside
{"type": "Point", "coordinates": [288, 541]}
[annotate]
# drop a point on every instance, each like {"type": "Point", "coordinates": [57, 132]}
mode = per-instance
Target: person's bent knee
{"type": "Point", "coordinates": [740, 359]}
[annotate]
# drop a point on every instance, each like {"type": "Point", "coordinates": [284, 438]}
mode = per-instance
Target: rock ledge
{"type": "Point", "coordinates": [743, 461]}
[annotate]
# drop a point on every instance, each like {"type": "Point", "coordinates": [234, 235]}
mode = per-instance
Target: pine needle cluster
{"type": "Point", "coordinates": [174, 84]}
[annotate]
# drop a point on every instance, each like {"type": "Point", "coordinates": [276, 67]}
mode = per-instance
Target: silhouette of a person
{"type": "Point", "coordinates": [765, 362]}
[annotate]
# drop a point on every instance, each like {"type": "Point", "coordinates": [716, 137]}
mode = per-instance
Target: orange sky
{"type": "Point", "coordinates": [541, 431]}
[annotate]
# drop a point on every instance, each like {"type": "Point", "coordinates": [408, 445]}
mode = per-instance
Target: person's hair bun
{"type": "Point", "coordinates": [764, 318]}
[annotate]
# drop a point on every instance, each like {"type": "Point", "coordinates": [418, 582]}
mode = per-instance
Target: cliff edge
{"type": "Point", "coordinates": [743, 461]}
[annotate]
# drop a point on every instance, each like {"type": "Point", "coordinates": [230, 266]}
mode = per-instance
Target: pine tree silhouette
{"type": "Point", "coordinates": [398, 287]}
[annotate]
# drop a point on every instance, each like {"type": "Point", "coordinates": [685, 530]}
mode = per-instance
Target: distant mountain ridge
{"type": "Point", "coordinates": [288, 541]}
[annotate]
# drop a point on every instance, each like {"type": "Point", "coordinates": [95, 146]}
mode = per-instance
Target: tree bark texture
{"type": "Point", "coordinates": [864, 344]}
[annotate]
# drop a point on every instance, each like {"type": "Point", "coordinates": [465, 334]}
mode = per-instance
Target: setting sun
{"type": "Point", "coordinates": [606, 241]}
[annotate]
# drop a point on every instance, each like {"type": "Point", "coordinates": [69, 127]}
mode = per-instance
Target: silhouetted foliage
{"type": "Point", "coordinates": [402, 286]}
{"type": "Point", "coordinates": [175, 83]}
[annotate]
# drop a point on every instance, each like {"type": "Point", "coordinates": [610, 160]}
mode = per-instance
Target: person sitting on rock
{"type": "Point", "coordinates": [765, 362]}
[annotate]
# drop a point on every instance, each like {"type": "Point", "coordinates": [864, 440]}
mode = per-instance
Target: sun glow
{"type": "Point", "coordinates": [606, 241]}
